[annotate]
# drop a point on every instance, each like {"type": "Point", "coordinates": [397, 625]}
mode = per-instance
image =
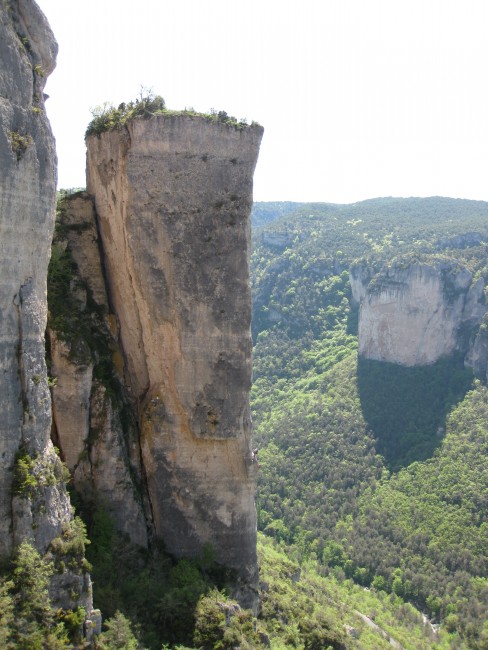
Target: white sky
{"type": "Point", "coordinates": [359, 98]}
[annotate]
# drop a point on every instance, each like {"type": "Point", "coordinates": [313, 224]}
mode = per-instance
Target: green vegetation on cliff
{"type": "Point", "coordinates": [146, 106]}
{"type": "Point", "coordinates": [27, 618]}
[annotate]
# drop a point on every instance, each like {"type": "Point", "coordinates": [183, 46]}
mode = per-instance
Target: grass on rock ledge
{"type": "Point", "coordinates": [108, 117]}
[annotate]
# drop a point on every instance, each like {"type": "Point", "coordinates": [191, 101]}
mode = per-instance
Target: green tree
{"type": "Point", "coordinates": [31, 576]}
{"type": "Point", "coordinates": [118, 635]}
{"type": "Point", "coordinates": [34, 627]}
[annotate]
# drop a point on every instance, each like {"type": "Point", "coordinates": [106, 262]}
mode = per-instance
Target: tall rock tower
{"type": "Point", "coordinates": [173, 196]}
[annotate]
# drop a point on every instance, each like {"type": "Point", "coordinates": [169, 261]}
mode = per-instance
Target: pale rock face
{"type": "Point", "coordinates": [359, 278]}
{"type": "Point", "coordinates": [71, 401]}
{"type": "Point", "coordinates": [174, 195]}
{"type": "Point", "coordinates": [416, 313]}
{"type": "Point", "coordinates": [39, 518]}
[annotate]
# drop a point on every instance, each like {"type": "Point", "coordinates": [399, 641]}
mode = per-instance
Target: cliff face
{"type": "Point", "coordinates": [27, 200]}
{"type": "Point", "coordinates": [414, 313]}
{"type": "Point", "coordinates": [173, 196]}
{"type": "Point", "coordinates": [27, 195]}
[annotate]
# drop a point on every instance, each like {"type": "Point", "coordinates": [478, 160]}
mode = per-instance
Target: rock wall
{"type": "Point", "coordinates": [93, 426]}
{"type": "Point", "coordinates": [173, 196]}
{"type": "Point", "coordinates": [413, 313]}
{"type": "Point", "coordinates": [27, 199]}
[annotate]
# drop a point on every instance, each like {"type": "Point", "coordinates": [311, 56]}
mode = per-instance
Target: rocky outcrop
{"type": "Point", "coordinates": [173, 196]}
{"type": "Point", "coordinates": [34, 505]}
{"type": "Point", "coordinates": [413, 313]}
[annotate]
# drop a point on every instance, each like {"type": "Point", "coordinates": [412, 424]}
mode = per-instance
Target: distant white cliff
{"type": "Point", "coordinates": [413, 313]}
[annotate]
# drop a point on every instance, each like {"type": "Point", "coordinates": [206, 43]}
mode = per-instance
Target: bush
{"type": "Point", "coordinates": [25, 482]}
{"type": "Point", "coordinates": [70, 546]}
{"type": "Point", "coordinates": [108, 118]}
{"type": "Point", "coordinates": [221, 623]}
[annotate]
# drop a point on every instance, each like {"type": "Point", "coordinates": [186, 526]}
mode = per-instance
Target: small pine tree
{"type": "Point", "coordinates": [33, 625]}
{"type": "Point", "coordinates": [119, 635]}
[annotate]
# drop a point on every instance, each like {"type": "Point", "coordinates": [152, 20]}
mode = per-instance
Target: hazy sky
{"type": "Point", "coordinates": [358, 98]}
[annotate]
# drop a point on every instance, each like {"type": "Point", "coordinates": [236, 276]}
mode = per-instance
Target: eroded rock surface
{"type": "Point", "coordinates": [173, 195]}
{"type": "Point", "coordinates": [414, 313]}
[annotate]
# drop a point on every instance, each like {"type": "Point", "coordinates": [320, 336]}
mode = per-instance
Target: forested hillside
{"type": "Point", "coordinates": [376, 470]}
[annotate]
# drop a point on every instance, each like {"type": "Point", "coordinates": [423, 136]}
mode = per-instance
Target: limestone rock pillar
{"type": "Point", "coordinates": [173, 195]}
